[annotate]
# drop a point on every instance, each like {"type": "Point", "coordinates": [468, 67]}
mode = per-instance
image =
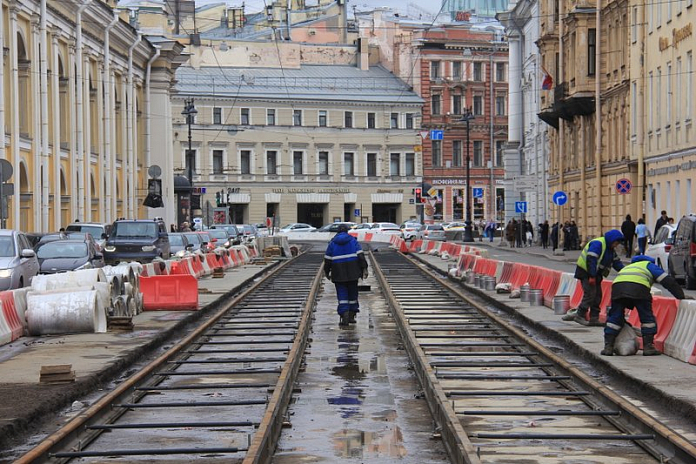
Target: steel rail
{"type": "Point", "coordinates": [102, 407]}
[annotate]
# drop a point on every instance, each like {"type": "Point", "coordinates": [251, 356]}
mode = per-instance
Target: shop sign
{"type": "Point", "coordinates": [310, 190]}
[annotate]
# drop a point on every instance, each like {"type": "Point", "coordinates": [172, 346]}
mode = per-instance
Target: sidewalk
{"type": "Point", "coordinates": [570, 256]}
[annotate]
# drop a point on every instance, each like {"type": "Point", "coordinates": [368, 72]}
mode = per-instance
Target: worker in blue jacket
{"type": "Point", "coordinates": [631, 289]}
{"type": "Point", "coordinates": [344, 264]}
{"type": "Point", "coordinates": [593, 265]}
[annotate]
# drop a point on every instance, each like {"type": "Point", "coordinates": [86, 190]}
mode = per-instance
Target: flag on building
{"type": "Point", "coordinates": [547, 83]}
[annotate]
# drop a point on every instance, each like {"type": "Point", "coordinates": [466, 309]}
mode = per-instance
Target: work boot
{"type": "Point", "coordinates": [344, 320]}
{"type": "Point", "coordinates": [580, 319]}
{"type": "Point", "coordinates": [648, 346]}
{"type": "Point", "coordinates": [594, 321]}
{"type": "Point", "coordinates": [351, 317]}
{"type": "Point", "coordinates": [609, 340]}
{"type": "Point", "coordinates": [570, 315]}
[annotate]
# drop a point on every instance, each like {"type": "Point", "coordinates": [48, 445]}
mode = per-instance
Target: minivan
{"type": "Point", "coordinates": [139, 240]}
{"type": "Point", "coordinates": [682, 256]}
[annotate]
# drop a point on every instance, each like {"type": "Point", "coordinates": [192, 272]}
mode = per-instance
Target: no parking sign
{"type": "Point", "coordinates": [623, 186]}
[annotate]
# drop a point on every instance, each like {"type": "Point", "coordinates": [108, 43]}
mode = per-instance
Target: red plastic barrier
{"type": "Point", "coordinates": [9, 311]}
{"type": "Point", "coordinates": [549, 283]}
{"type": "Point", "coordinates": [507, 272]}
{"type": "Point", "coordinates": [520, 274]}
{"type": "Point", "coordinates": [211, 258]}
{"type": "Point", "coordinates": [665, 310]}
{"type": "Point", "coordinates": [535, 277]}
{"type": "Point", "coordinates": [576, 297]}
{"type": "Point", "coordinates": [169, 292]}
{"type": "Point", "coordinates": [606, 300]}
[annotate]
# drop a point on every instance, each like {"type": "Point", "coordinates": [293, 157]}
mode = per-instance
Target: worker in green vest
{"type": "Point", "coordinates": [631, 289]}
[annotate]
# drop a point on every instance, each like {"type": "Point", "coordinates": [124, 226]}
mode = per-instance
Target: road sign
{"type": "Point", "coordinates": [432, 192]}
{"type": "Point", "coordinates": [523, 183]}
{"type": "Point", "coordinates": [356, 213]}
{"type": "Point", "coordinates": [424, 134]}
{"type": "Point", "coordinates": [6, 170]}
{"type": "Point", "coordinates": [477, 192]}
{"type": "Point", "coordinates": [437, 134]}
{"type": "Point", "coordinates": [560, 198]}
{"type": "Point", "coordinates": [521, 207]}
{"type": "Point", "coordinates": [623, 186]}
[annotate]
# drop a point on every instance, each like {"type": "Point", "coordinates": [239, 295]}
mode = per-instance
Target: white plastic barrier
{"type": "Point", "coordinates": [65, 312]}
{"type": "Point", "coordinates": [20, 299]}
{"type": "Point", "coordinates": [681, 341]}
{"type": "Point", "coordinates": [46, 282]}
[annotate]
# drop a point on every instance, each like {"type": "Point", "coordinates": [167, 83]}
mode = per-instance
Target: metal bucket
{"type": "Point", "coordinates": [490, 283]}
{"type": "Point", "coordinates": [561, 304]}
{"type": "Point", "coordinates": [524, 293]}
{"type": "Point", "coordinates": [470, 278]}
{"type": "Point", "coordinates": [482, 281]}
{"type": "Point", "coordinates": [477, 280]}
{"type": "Point", "coordinates": [536, 297]}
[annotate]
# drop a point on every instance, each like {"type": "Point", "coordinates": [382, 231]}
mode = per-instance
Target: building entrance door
{"type": "Point", "coordinates": [311, 213]}
{"type": "Point", "coordinates": [385, 212]}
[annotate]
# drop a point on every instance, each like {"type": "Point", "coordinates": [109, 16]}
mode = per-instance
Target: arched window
{"type": "Point", "coordinates": [24, 65]}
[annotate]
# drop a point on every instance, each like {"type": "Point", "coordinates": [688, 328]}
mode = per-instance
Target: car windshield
{"type": "Point", "coordinates": [62, 249]}
{"type": "Point", "coordinates": [248, 230]}
{"type": "Point", "coordinates": [218, 233]}
{"type": "Point", "coordinates": [387, 225]}
{"type": "Point", "coordinates": [94, 231]}
{"type": "Point", "coordinates": [176, 240]}
{"type": "Point", "coordinates": [435, 227]}
{"type": "Point", "coordinates": [192, 238]}
{"type": "Point", "coordinates": [7, 248]}
{"type": "Point", "coordinates": [135, 229]}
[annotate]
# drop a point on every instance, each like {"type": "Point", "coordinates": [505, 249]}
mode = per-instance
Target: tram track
{"type": "Point", "coordinates": [219, 393]}
{"type": "Point", "coordinates": [498, 395]}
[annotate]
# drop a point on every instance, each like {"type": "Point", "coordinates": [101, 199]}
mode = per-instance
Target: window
{"type": "Point", "coordinates": [500, 72]}
{"type": "Point", "coordinates": [591, 51]}
{"type": "Point", "coordinates": [217, 161]}
{"type": "Point", "coordinates": [348, 167]}
{"type": "Point", "coordinates": [689, 86]}
{"type": "Point", "coordinates": [456, 153]}
{"type": "Point", "coordinates": [297, 161]}
{"type": "Point", "coordinates": [658, 94]}
{"type": "Point", "coordinates": [348, 119]}
{"type": "Point", "coordinates": [434, 70]}
{"type": "Point", "coordinates": [395, 164]}
{"type": "Point", "coordinates": [668, 97]}
{"type": "Point", "coordinates": [270, 117]}
{"type": "Point", "coordinates": [437, 152]}
{"type": "Point", "coordinates": [478, 72]}
{"type": "Point", "coordinates": [190, 162]}
{"type": "Point", "coordinates": [217, 115]}
{"type": "Point", "coordinates": [323, 163]}
{"type": "Point", "coordinates": [478, 105]}
{"type": "Point", "coordinates": [245, 161]}
{"type": "Point", "coordinates": [244, 119]}
{"type": "Point", "coordinates": [478, 153]}
{"type": "Point", "coordinates": [322, 118]}
{"type": "Point", "coordinates": [500, 105]}
{"type": "Point", "coordinates": [651, 123]}
{"type": "Point", "coordinates": [410, 167]}
{"type": "Point", "coordinates": [394, 121]}
{"type": "Point", "coordinates": [271, 162]}
{"type": "Point", "coordinates": [634, 24]}
{"type": "Point", "coordinates": [297, 117]}
{"type": "Point", "coordinates": [457, 70]}
{"type": "Point", "coordinates": [456, 104]}
{"type": "Point", "coordinates": [372, 165]}
{"type": "Point", "coordinates": [678, 89]}
{"type": "Point", "coordinates": [409, 120]}
{"type": "Point", "coordinates": [634, 107]}
{"type": "Point", "coordinates": [371, 121]}
{"type": "Point", "coordinates": [435, 104]}
{"type": "Point", "coordinates": [499, 144]}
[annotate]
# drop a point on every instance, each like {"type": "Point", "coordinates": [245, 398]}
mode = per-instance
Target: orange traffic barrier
{"type": "Point", "coordinates": [507, 272]}
{"type": "Point", "coordinates": [550, 280]}
{"type": "Point", "coordinates": [211, 259]}
{"type": "Point", "coordinates": [13, 324]}
{"type": "Point", "coordinates": [576, 297]}
{"type": "Point", "coordinates": [520, 275]}
{"type": "Point", "coordinates": [665, 311]}
{"type": "Point", "coordinates": [606, 300]}
{"type": "Point", "coordinates": [171, 292]}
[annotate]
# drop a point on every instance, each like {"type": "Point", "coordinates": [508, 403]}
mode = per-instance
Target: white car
{"type": "Point", "coordinates": [411, 231]}
{"type": "Point", "coordinates": [296, 227]}
{"type": "Point", "coordinates": [387, 228]}
{"type": "Point", "coordinates": [661, 244]}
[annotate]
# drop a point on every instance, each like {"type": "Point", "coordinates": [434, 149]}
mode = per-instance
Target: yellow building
{"type": "Point", "coordinates": [75, 103]}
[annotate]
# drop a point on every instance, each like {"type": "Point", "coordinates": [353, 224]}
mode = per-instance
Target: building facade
{"type": "Point", "coordinates": [302, 143]}
{"type": "Point", "coordinates": [74, 105]}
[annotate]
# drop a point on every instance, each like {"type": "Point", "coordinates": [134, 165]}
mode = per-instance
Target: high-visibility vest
{"type": "Point", "coordinates": [582, 259]}
{"type": "Point", "coordinates": [636, 273]}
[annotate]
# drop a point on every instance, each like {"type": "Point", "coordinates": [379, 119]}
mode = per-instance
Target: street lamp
{"type": "Point", "coordinates": [468, 230]}
{"type": "Point", "coordinates": [190, 112]}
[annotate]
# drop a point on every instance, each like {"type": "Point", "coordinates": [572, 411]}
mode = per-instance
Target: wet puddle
{"type": "Point", "coordinates": [353, 443]}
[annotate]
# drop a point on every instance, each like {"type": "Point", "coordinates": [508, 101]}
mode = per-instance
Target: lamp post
{"type": "Point", "coordinates": [190, 112]}
{"type": "Point", "coordinates": [468, 230]}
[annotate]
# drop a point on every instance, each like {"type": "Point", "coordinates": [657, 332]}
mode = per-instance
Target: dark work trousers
{"type": "Point", "coordinates": [347, 293]}
{"type": "Point", "coordinates": [629, 246]}
{"type": "Point", "coordinates": [591, 297]}
{"type": "Point", "coordinates": [616, 318]}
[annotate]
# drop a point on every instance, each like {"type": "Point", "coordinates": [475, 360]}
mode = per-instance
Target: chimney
{"type": "Point", "coordinates": [363, 54]}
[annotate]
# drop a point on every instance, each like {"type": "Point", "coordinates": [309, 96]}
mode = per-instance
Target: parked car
{"type": "Point", "coordinates": [411, 231]}
{"type": "Point", "coordinates": [661, 245]}
{"type": "Point", "coordinates": [362, 226]}
{"type": "Point", "coordinates": [18, 263]}
{"type": "Point", "coordinates": [433, 232]}
{"type": "Point", "coordinates": [248, 231]}
{"type": "Point", "coordinates": [682, 256]}
{"type": "Point", "coordinates": [222, 237]}
{"type": "Point", "coordinates": [55, 236]}
{"type": "Point", "coordinates": [68, 255]}
{"type": "Point", "coordinates": [139, 240]}
{"type": "Point", "coordinates": [261, 230]}
{"type": "Point", "coordinates": [296, 227]}
{"type": "Point", "coordinates": [178, 244]}
{"type": "Point", "coordinates": [388, 228]}
{"type": "Point", "coordinates": [333, 227]}
{"type": "Point", "coordinates": [233, 230]}
{"type": "Point", "coordinates": [97, 230]}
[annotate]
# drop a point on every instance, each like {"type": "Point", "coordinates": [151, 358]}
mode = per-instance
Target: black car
{"type": "Point", "coordinates": [682, 256]}
{"type": "Point", "coordinates": [140, 240]}
{"type": "Point", "coordinates": [178, 242]}
{"type": "Point", "coordinates": [68, 255]}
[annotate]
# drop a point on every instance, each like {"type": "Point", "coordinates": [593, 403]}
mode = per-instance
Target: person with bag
{"type": "Point", "coordinates": [344, 264]}
{"type": "Point", "coordinates": [595, 263]}
{"type": "Point", "coordinates": [631, 289]}
{"type": "Point", "coordinates": [643, 235]}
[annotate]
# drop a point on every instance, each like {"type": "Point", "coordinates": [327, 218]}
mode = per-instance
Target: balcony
{"type": "Point", "coordinates": [567, 105]}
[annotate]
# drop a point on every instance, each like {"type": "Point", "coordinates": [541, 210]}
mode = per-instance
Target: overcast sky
{"type": "Point", "coordinates": [431, 6]}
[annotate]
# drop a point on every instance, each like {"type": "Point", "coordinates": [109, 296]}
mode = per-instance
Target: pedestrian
{"type": "Point", "coordinates": [574, 236]}
{"type": "Point", "coordinates": [661, 221]}
{"type": "Point", "coordinates": [520, 230]}
{"type": "Point", "coordinates": [554, 236]}
{"type": "Point", "coordinates": [643, 235]}
{"type": "Point", "coordinates": [490, 227]}
{"type": "Point", "coordinates": [631, 289]}
{"type": "Point", "coordinates": [185, 227]}
{"type": "Point", "coordinates": [628, 229]}
{"type": "Point", "coordinates": [529, 233]}
{"type": "Point", "coordinates": [510, 232]}
{"type": "Point", "coordinates": [545, 234]}
{"type": "Point", "coordinates": [344, 264]}
{"type": "Point", "coordinates": [593, 265]}
{"type": "Point", "coordinates": [172, 228]}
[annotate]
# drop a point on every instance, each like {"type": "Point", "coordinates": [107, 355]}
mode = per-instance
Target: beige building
{"type": "Point", "coordinates": [308, 143]}
{"type": "Point", "coordinates": [662, 135]}
{"type": "Point", "coordinates": [78, 85]}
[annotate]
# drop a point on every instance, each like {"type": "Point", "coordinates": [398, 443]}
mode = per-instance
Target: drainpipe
{"type": "Point", "coordinates": [598, 123]}
{"type": "Point", "coordinates": [561, 126]}
{"type": "Point", "coordinates": [130, 172]}
{"type": "Point", "coordinates": [43, 89]}
{"type": "Point", "coordinates": [80, 114]}
{"type": "Point", "coordinates": [148, 76]}
{"type": "Point", "coordinates": [105, 163]}
{"type": "Point", "coordinates": [288, 26]}
{"type": "Point", "coordinates": [2, 91]}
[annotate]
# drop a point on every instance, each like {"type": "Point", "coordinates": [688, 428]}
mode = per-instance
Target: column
{"type": "Point", "coordinates": [14, 131]}
{"type": "Point", "coordinates": [87, 131]}
{"type": "Point", "coordinates": [162, 154]}
{"type": "Point", "coordinates": [99, 169]}
{"type": "Point", "coordinates": [123, 174]}
{"type": "Point", "coordinates": [55, 104]}
{"type": "Point", "coordinates": [71, 174]}
{"type": "Point", "coordinates": [35, 176]}
{"type": "Point", "coordinates": [514, 89]}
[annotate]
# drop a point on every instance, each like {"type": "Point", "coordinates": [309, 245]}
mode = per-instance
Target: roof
{"type": "Point", "coordinates": [310, 82]}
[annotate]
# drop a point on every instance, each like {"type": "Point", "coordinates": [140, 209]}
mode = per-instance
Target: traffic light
{"type": "Point", "coordinates": [217, 198]}
{"type": "Point", "coordinates": [419, 195]}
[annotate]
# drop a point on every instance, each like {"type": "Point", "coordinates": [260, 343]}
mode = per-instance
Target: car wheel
{"type": "Point", "coordinates": [21, 282]}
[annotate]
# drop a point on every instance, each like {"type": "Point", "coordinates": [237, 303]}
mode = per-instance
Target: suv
{"type": "Point", "coordinates": [682, 256]}
{"type": "Point", "coordinates": [139, 240]}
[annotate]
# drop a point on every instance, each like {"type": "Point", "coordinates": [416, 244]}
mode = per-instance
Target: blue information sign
{"type": "Point", "coordinates": [437, 134]}
{"type": "Point", "coordinates": [521, 207]}
{"type": "Point", "coordinates": [356, 213]}
{"type": "Point", "coordinates": [477, 192]}
{"type": "Point", "coordinates": [560, 198]}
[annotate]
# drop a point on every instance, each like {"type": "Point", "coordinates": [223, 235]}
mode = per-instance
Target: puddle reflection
{"type": "Point", "coordinates": [352, 443]}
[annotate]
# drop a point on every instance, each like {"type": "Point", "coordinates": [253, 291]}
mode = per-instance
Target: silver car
{"type": "Point", "coordinates": [18, 263]}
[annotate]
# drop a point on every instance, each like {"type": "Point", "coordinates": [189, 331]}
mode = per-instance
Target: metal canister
{"type": "Point", "coordinates": [561, 304]}
{"type": "Point", "coordinates": [477, 280]}
{"type": "Point", "coordinates": [470, 276]}
{"type": "Point", "coordinates": [490, 283]}
{"type": "Point", "coordinates": [536, 297]}
{"type": "Point", "coordinates": [524, 293]}
{"type": "Point", "coordinates": [482, 281]}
